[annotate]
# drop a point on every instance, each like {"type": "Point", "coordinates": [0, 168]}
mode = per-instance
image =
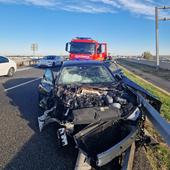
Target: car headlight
{"type": "Point", "coordinates": [134, 115]}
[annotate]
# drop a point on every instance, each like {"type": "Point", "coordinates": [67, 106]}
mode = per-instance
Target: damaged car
{"type": "Point", "coordinates": [96, 105]}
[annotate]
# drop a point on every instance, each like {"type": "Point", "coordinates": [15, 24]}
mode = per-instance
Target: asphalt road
{"type": "Point", "coordinates": [163, 64]}
{"type": "Point", "coordinates": [22, 146]}
{"type": "Point", "coordinates": [161, 78]}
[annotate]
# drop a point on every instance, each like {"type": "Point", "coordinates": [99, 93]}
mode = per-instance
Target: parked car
{"type": "Point", "coordinates": [96, 105]}
{"type": "Point", "coordinates": [7, 66]}
{"type": "Point", "coordinates": [50, 61]}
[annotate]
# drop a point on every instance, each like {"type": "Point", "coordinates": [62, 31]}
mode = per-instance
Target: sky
{"type": "Point", "coordinates": [128, 26]}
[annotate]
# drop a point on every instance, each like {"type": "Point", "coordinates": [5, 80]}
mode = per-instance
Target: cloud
{"type": "Point", "coordinates": [140, 7]}
{"type": "Point", "coordinates": [46, 3]}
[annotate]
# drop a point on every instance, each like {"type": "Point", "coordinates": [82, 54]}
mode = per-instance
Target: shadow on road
{"type": "Point", "coordinates": [39, 150]}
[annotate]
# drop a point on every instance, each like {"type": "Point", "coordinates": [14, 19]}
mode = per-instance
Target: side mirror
{"type": "Point", "coordinates": [48, 76]}
{"type": "Point", "coordinates": [109, 57]}
{"type": "Point", "coordinates": [99, 49]}
{"type": "Point", "coordinates": [67, 47]}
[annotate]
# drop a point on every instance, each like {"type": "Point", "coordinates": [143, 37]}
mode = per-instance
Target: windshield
{"type": "Point", "coordinates": [49, 57]}
{"type": "Point", "coordinates": [82, 48]}
{"type": "Point", "coordinates": [85, 74]}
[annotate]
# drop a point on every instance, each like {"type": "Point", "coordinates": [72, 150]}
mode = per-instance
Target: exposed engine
{"type": "Point", "coordinates": [91, 104]}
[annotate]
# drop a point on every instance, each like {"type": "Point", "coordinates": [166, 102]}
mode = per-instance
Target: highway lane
{"type": "Point", "coordinates": [22, 146]}
{"type": "Point", "coordinates": [160, 79]}
{"type": "Point", "coordinates": [163, 64]}
{"type": "Point", "coordinates": [21, 76]}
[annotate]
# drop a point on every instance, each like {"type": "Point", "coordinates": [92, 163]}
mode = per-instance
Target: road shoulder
{"type": "Point", "coordinates": [162, 84]}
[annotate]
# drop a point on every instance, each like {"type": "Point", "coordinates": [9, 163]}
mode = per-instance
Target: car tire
{"type": "Point", "coordinates": [11, 72]}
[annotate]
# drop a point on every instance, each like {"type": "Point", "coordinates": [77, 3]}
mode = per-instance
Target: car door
{"type": "Point", "coordinates": [46, 85]}
{"type": "Point", "coordinates": [4, 66]}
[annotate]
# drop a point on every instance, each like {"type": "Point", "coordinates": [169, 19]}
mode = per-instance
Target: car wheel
{"type": "Point", "coordinates": [11, 72]}
{"type": "Point", "coordinates": [53, 64]}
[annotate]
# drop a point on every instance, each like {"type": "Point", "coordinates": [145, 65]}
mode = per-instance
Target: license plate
{"type": "Point", "coordinates": [62, 136]}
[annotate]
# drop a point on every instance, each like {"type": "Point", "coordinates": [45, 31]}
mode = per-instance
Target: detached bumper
{"type": "Point", "coordinates": [105, 157]}
{"type": "Point", "coordinates": [103, 142]}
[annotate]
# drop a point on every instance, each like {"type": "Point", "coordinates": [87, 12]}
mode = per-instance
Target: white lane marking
{"type": "Point", "coordinates": [22, 84]}
{"type": "Point", "coordinates": [80, 163]}
{"type": "Point", "coordinates": [22, 69]}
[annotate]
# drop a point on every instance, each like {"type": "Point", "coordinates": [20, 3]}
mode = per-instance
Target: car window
{"type": "Point", "coordinates": [49, 57]}
{"type": "Point", "coordinates": [48, 75]}
{"type": "Point", "coordinates": [80, 47]}
{"type": "Point", "coordinates": [3, 60]}
{"type": "Point", "coordinates": [59, 58]}
{"type": "Point", "coordinates": [113, 67]}
{"type": "Point", "coordinates": [85, 74]}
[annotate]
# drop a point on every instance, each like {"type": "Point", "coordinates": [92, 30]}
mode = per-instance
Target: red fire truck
{"type": "Point", "coordinates": [82, 48]}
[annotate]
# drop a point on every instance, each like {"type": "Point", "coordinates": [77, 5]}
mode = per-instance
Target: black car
{"type": "Point", "coordinates": [95, 104]}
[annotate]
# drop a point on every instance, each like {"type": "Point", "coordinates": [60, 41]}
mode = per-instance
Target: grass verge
{"type": "Point", "coordinates": [163, 97]}
{"type": "Point", "coordinates": [159, 156]}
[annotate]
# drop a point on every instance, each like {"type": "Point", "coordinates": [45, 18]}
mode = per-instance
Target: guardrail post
{"type": "Point", "coordinates": [129, 158]}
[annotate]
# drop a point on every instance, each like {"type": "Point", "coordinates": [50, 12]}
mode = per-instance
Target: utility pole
{"type": "Point", "coordinates": [157, 37]}
{"type": "Point", "coordinates": [157, 31]}
{"type": "Point", "coordinates": [34, 48]}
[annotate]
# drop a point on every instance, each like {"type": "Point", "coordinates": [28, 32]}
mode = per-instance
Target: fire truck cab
{"type": "Point", "coordinates": [82, 48]}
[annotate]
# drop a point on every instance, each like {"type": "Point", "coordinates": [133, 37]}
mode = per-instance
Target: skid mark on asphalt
{"type": "Point", "coordinates": [22, 84]}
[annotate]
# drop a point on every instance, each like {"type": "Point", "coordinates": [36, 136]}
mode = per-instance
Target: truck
{"type": "Point", "coordinates": [82, 48]}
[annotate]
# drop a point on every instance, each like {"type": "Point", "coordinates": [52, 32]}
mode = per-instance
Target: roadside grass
{"type": "Point", "coordinates": [159, 155]}
{"type": "Point", "coordinates": [164, 98]}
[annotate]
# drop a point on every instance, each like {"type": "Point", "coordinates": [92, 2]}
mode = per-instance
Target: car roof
{"type": "Point", "coordinates": [81, 62]}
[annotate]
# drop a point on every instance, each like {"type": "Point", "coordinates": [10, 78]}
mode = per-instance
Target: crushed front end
{"type": "Point", "coordinates": [104, 120]}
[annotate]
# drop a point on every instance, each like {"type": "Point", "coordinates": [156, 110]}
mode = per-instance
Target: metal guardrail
{"type": "Point", "coordinates": [161, 125]}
